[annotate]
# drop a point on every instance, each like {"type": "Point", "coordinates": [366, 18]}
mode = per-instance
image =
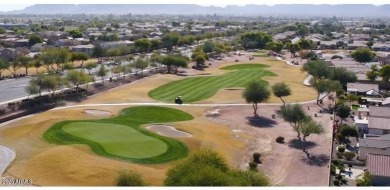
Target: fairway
{"type": "Point", "coordinates": [199, 88]}
{"type": "Point", "coordinates": [122, 137]}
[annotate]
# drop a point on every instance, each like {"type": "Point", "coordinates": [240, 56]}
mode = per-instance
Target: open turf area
{"type": "Point", "coordinates": [122, 137]}
{"type": "Point", "coordinates": [200, 88]}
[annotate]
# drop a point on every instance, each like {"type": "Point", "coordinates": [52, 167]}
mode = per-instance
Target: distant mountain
{"type": "Point", "coordinates": [357, 10]}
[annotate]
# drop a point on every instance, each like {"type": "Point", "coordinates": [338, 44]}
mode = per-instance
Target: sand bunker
{"type": "Point", "coordinates": [97, 112]}
{"type": "Point", "coordinates": [168, 131]}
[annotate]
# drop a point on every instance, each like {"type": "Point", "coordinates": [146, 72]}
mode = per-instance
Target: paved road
{"type": "Point", "coordinates": [7, 155]}
{"type": "Point", "coordinates": [13, 88]}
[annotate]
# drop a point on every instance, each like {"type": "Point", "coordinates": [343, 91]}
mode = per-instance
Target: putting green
{"type": "Point", "coordinates": [118, 140]}
{"type": "Point", "coordinates": [194, 89]}
{"type": "Point", "coordinates": [122, 137]}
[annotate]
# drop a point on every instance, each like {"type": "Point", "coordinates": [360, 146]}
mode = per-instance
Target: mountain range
{"type": "Point", "coordinates": [346, 10]}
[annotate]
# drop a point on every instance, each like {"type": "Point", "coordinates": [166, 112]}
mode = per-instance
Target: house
{"type": "Point", "coordinates": [381, 47]}
{"type": "Point", "coordinates": [355, 45]}
{"type": "Point", "coordinates": [328, 44]}
{"type": "Point", "coordinates": [36, 47]}
{"type": "Point", "coordinates": [7, 54]}
{"type": "Point", "coordinates": [9, 42]}
{"type": "Point", "coordinates": [379, 167]}
{"type": "Point", "coordinates": [87, 49]}
{"type": "Point", "coordinates": [117, 44]}
{"type": "Point", "coordinates": [378, 125]}
{"type": "Point", "coordinates": [361, 88]}
{"type": "Point", "coordinates": [386, 102]}
{"type": "Point", "coordinates": [374, 144]}
{"type": "Point", "coordinates": [22, 43]}
{"type": "Point", "coordinates": [64, 42]}
{"type": "Point", "coordinates": [383, 59]}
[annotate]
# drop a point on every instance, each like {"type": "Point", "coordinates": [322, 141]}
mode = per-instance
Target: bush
{"type": "Point", "coordinates": [340, 137]}
{"type": "Point", "coordinates": [336, 57]}
{"type": "Point", "coordinates": [252, 166]}
{"type": "Point", "coordinates": [332, 169]}
{"type": "Point", "coordinates": [341, 149]}
{"type": "Point", "coordinates": [129, 179]}
{"type": "Point", "coordinates": [208, 168]}
{"type": "Point", "coordinates": [256, 157]}
{"type": "Point", "coordinates": [349, 155]}
{"type": "Point", "coordinates": [340, 155]}
{"type": "Point", "coordinates": [280, 140]}
{"type": "Point", "coordinates": [336, 183]}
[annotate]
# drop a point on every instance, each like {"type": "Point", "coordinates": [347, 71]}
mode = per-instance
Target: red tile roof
{"type": "Point", "coordinates": [378, 165]}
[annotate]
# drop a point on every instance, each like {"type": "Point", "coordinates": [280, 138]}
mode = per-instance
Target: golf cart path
{"type": "Point", "coordinates": [170, 104]}
{"type": "Point", "coordinates": [7, 155]}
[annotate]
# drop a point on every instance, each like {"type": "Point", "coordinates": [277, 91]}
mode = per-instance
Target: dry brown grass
{"type": "Point", "coordinates": [48, 164]}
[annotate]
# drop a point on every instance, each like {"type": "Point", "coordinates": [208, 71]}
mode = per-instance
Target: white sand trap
{"type": "Point", "coordinates": [168, 131]}
{"type": "Point", "coordinates": [97, 112]}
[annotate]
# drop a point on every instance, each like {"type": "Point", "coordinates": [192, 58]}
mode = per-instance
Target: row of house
{"type": "Point", "coordinates": [373, 125]}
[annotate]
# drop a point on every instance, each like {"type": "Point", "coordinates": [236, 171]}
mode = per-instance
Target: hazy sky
{"type": "Point", "coordinates": [21, 4]}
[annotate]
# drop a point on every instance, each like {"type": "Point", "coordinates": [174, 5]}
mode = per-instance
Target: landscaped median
{"type": "Point", "coordinates": [194, 89]}
{"type": "Point", "coordinates": [122, 137]}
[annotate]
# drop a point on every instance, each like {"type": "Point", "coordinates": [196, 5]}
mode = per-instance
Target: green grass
{"type": "Point", "coordinates": [355, 106]}
{"type": "Point", "coordinates": [260, 55]}
{"type": "Point", "coordinates": [122, 137]}
{"type": "Point", "coordinates": [194, 89]}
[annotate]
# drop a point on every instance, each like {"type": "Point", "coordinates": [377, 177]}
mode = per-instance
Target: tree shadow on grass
{"type": "Point", "coordinates": [297, 144]}
{"type": "Point", "coordinates": [316, 160]}
{"type": "Point", "coordinates": [260, 121]}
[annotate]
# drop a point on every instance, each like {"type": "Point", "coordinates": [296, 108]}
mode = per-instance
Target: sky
{"type": "Point", "coordinates": [21, 4]}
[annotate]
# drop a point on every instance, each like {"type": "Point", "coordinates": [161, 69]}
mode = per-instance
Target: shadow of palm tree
{"type": "Point", "coordinates": [316, 160]}
{"type": "Point", "coordinates": [297, 144]}
{"type": "Point", "coordinates": [260, 121]}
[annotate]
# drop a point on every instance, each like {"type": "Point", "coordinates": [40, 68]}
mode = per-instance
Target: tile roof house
{"type": "Point", "coordinates": [379, 167]}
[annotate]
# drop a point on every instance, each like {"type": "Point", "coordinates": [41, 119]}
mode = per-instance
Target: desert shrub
{"type": "Point", "coordinates": [129, 178]}
{"type": "Point", "coordinates": [341, 149]}
{"type": "Point", "coordinates": [340, 155]}
{"type": "Point", "coordinates": [248, 178]}
{"type": "Point", "coordinates": [336, 57]}
{"type": "Point", "coordinates": [208, 168]}
{"type": "Point", "coordinates": [348, 131]}
{"type": "Point", "coordinates": [256, 157]}
{"type": "Point", "coordinates": [340, 102]}
{"type": "Point", "coordinates": [280, 139]}
{"type": "Point", "coordinates": [332, 169]}
{"type": "Point", "coordinates": [340, 137]}
{"type": "Point", "coordinates": [336, 162]}
{"type": "Point", "coordinates": [349, 155]}
{"type": "Point", "coordinates": [253, 166]}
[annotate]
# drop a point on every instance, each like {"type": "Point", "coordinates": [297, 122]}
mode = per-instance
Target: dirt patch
{"type": "Point", "coordinates": [168, 131]}
{"type": "Point", "coordinates": [285, 164]}
{"type": "Point", "coordinates": [94, 112]}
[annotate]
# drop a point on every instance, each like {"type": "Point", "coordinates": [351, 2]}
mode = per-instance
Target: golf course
{"type": "Point", "coordinates": [202, 87]}
{"type": "Point", "coordinates": [123, 137]}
